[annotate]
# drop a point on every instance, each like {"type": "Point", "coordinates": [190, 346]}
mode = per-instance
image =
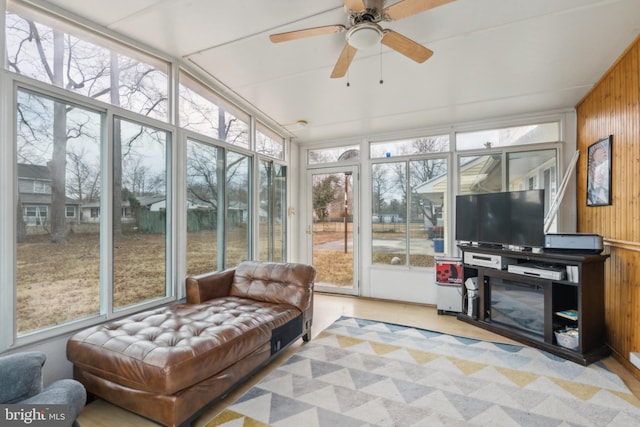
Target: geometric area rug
{"type": "Point", "coordinates": [367, 373]}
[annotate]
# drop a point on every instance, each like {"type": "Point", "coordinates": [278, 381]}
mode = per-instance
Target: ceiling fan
{"type": "Point", "coordinates": [365, 32]}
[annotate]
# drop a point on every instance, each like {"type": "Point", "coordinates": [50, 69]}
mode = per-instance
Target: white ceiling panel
{"type": "Point", "coordinates": [492, 58]}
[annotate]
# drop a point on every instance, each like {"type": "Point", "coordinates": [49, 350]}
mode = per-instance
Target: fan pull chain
{"type": "Point", "coordinates": [348, 84]}
{"type": "Point", "coordinates": [381, 81]}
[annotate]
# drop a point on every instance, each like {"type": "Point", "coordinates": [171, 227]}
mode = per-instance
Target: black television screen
{"type": "Point", "coordinates": [467, 218]}
{"type": "Point", "coordinates": [495, 216]}
{"type": "Point", "coordinates": [504, 218]}
{"type": "Point", "coordinates": [527, 218]}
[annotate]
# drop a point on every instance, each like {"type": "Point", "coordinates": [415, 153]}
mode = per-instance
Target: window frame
{"type": "Point", "coordinates": [188, 80]}
{"type": "Point", "coordinates": [336, 152]}
{"type": "Point", "coordinates": [10, 337]}
{"type": "Point", "coordinates": [453, 170]}
{"type": "Point", "coordinates": [171, 285]}
{"type": "Point", "coordinates": [408, 161]}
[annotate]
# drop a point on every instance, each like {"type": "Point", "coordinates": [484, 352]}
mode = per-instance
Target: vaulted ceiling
{"type": "Point", "coordinates": [492, 58]}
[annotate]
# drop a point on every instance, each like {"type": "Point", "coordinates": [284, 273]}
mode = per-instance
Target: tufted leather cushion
{"type": "Point", "coordinates": [170, 348]}
{"type": "Point", "coordinates": [287, 283]}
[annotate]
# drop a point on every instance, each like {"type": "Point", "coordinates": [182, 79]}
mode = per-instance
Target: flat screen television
{"type": "Point", "coordinates": [504, 218]}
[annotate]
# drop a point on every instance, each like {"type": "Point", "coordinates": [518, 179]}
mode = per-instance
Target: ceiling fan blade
{"type": "Point", "coordinates": [405, 8]}
{"type": "Point", "coordinates": [354, 5]}
{"type": "Point", "coordinates": [344, 61]}
{"type": "Point", "coordinates": [308, 32]}
{"type": "Point", "coordinates": [406, 46]}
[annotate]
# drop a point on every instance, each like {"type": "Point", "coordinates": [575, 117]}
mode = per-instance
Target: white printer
{"type": "Point", "coordinates": [573, 242]}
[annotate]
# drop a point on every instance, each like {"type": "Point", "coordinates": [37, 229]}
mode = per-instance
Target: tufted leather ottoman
{"type": "Point", "coordinates": [168, 363]}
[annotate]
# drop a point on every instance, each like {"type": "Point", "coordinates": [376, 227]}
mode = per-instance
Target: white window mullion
{"type": "Point", "coordinates": [106, 217]}
{"type": "Point", "coordinates": [8, 212]}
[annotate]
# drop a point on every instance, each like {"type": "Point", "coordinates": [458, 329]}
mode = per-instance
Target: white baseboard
{"type": "Point", "coordinates": [635, 359]}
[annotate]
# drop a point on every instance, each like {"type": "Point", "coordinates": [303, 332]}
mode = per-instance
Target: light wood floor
{"type": "Point", "coordinates": [327, 309]}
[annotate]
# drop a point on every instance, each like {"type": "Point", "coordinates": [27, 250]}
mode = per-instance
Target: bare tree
{"type": "Point", "coordinates": [66, 61]}
{"type": "Point", "coordinates": [237, 180]}
{"type": "Point", "coordinates": [58, 163]}
{"type": "Point", "coordinates": [202, 173]}
{"type": "Point", "coordinates": [209, 115]}
{"type": "Point", "coordinates": [135, 176]}
{"type": "Point", "coordinates": [21, 228]}
{"type": "Point", "coordinates": [400, 181]}
{"type": "Point", "coordinates": [380, 187]}
{"type": "Point", "coordinates": [324, 193]}
{"type": "Point", "coordinates": [269, 146]}
{"type": "Point", "coordinates": [83, 177]}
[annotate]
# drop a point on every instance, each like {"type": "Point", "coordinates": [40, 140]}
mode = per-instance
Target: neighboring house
{"type": "Point", "coordinates": [386, 218]}
{"type": "Point", "coordinates": [91, 210]}
{"type": "Point", "coordinates": [237, 212]}
{"type": "Point", "coordinates": [34, 192]}
{"type": "Point", "coordinates": [153, 203]}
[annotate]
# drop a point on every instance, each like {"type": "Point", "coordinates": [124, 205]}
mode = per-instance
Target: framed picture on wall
{"type": "Point", "coordinates": [599, 173]}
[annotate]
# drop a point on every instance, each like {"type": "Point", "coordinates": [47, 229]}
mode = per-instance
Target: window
{"type": "Point", "coordinates": [48, 136]}
{"type": "Point", "coordinates": [205, 192]}
{"type": "Point", "coordinates": [427, 210]}
{"type": "Point", "coordinates": [35, 215]}
{"type": "Point", "coordinates": [508, 137]}
{"type": "Point", "coordinates": [330, 155]}
{"type": "Point", "coordinates": [140, 184]}
{"type": "Point", "coordinates": [85, 64]}
{"type": "Point", "coordinates": [480, 174]}
{"type": "Point", "coordinates": [522, 170]}
{"type": "Point", "coordinates": [209, 229]}
{"type": "Point", "coordinates": [532, 170]}
{"type": "Point", "coordinates": [237, 208]}
{"type": "Point", "coordinates": [389, 213]}
{"type": "Point", "coordinates": [41, 187]}
{"type": "Point", "coordinates": [95, 215]}
{"type": "Point", "coordinates": [203, 111]}
{"type": "Point", "coordinates": [406, 147]}
{"type": "Point", "coordinates": [409, 201]}
{"type": "Point", "coordinates": [269, 143]}
{"type": "Point", "coordinates": [272, 216]}
{"type": "Point", "coordinates": [51, 132]}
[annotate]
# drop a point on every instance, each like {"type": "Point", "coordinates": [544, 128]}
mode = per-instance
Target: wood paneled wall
{"type": "Point", "coordinates": [612, 107]}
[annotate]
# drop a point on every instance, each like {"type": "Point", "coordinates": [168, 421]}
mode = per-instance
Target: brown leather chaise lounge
{"type": "Point", "coordinates": [169, 363]}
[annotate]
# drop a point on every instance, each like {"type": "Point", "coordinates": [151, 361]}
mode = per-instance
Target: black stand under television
{"type": "Point", "coordinates": [584, 295]}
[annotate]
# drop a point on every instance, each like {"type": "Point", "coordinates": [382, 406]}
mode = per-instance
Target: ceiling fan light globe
{"type": "Point", "coordinates": [364, 36]}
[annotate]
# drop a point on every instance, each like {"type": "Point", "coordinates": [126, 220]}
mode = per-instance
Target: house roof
{"type": "Point", "coordinates": [37, 172]}
{"type": "Point", "coordinates": [42, 199]}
